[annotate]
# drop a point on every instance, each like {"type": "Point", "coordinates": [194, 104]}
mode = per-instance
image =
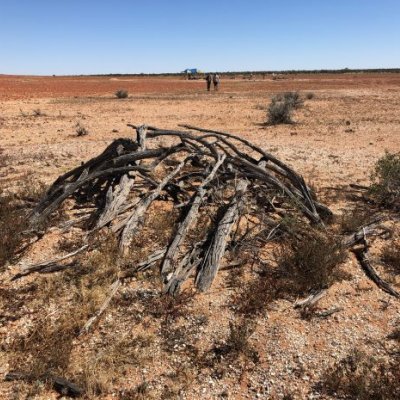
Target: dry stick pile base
{"type": "Point", "coordinates": [203, 173]}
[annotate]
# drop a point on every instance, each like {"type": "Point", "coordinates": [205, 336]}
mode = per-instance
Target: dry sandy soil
{"type": "Point", "coordinates": [337, 138]}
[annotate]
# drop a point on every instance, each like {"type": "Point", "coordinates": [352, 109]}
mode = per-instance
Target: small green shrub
{"type": "Point", "coordinates": [385, 188]}
{"type": "Point", "coordinates": [121, 94]}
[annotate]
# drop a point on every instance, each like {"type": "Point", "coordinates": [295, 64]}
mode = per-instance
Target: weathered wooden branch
{"type": "Point", "coordinates": [190, 218]}
{"type": "Point", "coordinates": [311, 300]}
{"type": "Point", "coordinates": [140, 209]}
{"type": "Point", "coordinates": [113, 291]}
{"type": "Point", "coordinates": [361, 254]}
{"type": "Point", "coordinates": [216, 250]}
{"type": "Point", "coordinates": [61, 385]}
{"type": "Point", "coordinates": [49, 264]}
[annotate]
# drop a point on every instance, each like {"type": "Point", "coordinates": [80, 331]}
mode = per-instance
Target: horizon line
{"type": "Point", "coordinates": [287, 71]}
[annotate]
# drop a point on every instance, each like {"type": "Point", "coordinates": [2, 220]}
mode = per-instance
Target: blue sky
{"type": "Point", "coordinates": [121, 36]}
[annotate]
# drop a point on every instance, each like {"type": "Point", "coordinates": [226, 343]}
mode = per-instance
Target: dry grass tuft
{"type": "Point", "coordinates": [359, 376]}
{"type": "Point", "coordinates": [390, 255]}
{"type": "Point", "coordinates": [14, 209]}
{"type": "Point", "coordinates": [352, 220]}
{"type": "Point", "coordinates": [37, 112]}
{"type": "Point", "coordinates": [98, 371]}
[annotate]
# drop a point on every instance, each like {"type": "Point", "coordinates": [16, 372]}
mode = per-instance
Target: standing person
{"type": "Point", "coordinates": [209, 79]}
{"type": "Point", "coordinates": [216, 81]}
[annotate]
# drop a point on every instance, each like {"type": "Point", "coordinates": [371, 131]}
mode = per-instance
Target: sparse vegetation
{"type": "Point", "coordinates": [242, 338]}
{"type": "Point", "coordinates": [14, 207]}
{"type": "Point", "coordinates": [390, 255]}
{"type": "Point", "coordinates": [352, 220]}
{"type": "Point", "coordinates": [360, 376]}
{"type": "Point", "coordinates": [253, 297]}
{"type": "Point", "coordinates": [385, 178]}
{"type": "Point", "coordinates": [12, 224]}
{"type": "Point", "coordinates": [81, 130]}
{"type": "Point", "coordinates": [37, 112]}
{"type": "Point", "coordinates": [292, 98]}
{"type": "Point", "coordinates": [281, 108]}
{"type": "Point", "coordinates": [121, 94]}
{"type": "Point", "coordinates": [237, 343]}
{"type": "Point", "coordinates": [279, 112]}
{"type": "Point", "coordinates": [311, 262]}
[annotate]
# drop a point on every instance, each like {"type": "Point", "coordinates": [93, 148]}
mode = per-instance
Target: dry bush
{"type": "Point", "coordinates": [98, 371]}
{"type": "Point", "coordinates": [12, 224]}
{"type": "Point", "coordinates": [311, 262]}
{"type": "Point", "coordinates": [14, 207]}
{"type": "Point", "coordinates": [253, 297]}
{"type": "Point", "coordinates": [352, 220]}
{"type": "Point", "coordinates": [282, 106]}
{"type": "Point", "coordinates": [140, 392]}
{"type": "Point", "coordinates": [310, 95]}
{"type": "Point", "coordinates": [79, 291]}
{"type": "Point", "coordinates": [37, 112]}
{"type": "Point", "coordinates": [237, 343]}
{"type": "Point", "coordinates": [385, 188]}
{"type": "Point", "coordinates": [89, 282]}
{"type": "Point", "coordinates": [81, 130]}
{"type": "Point", "coordinates": [121, 94]}
{"type": "Point", "coordinates": [4, 159]}
{"type": "Point", "coordinates": [279, 112]}
{"type": "Point", "coordinates": [390, 255]}
{"type": "Point", "coordinates": [292, 98]}
{"type": "Point", "coordinates": [168, 307]}
{"type": "Point", "coordinates": [45, 350]}
{"type": "Point", "coordinates": [395, 335]}
{"type": "Point", "coordinates": [359, 376]}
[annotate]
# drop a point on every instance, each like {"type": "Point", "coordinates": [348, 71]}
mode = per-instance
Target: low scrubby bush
{"type": "Point", "coordinates": [359, 376]}
{"type": "Point", "coordinates": [390, 255]}
{"type": "Point", "coordinates": [279, 112]}
{"type": "Point", "coordinates": [311, 262]}
{"type": "Point", "coordinates": [282, 106]}
{"type": "Point", "coordinates": [292, 98]}
{"type": "Point", "coordinates": [81, 130]}
{"type": "Point", "coordinates": [121, 94]}
{"type": "Point", "coordinates": [385, 187]}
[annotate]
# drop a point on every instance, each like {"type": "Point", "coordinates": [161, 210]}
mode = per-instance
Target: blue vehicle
{"type": "Point", "coordinates": [191, 73]}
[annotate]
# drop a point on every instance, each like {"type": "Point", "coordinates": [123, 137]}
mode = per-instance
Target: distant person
{"type": "Point", "coordinates": [209, 79]}
{"type": "Point", "coordinates": [216, 81]}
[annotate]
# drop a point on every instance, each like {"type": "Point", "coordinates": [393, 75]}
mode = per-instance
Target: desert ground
{"type": "Point", "coordinates": [337, 137]}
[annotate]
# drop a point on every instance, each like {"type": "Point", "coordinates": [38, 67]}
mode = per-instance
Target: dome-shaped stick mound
{"type": "Point", "coordinates": [201, 172]}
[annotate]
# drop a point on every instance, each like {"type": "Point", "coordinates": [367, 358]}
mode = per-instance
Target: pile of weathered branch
{"type": "Point", "coordinates": [206, 172]}
{"type": "Point", "coordinates": [202, 173]}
